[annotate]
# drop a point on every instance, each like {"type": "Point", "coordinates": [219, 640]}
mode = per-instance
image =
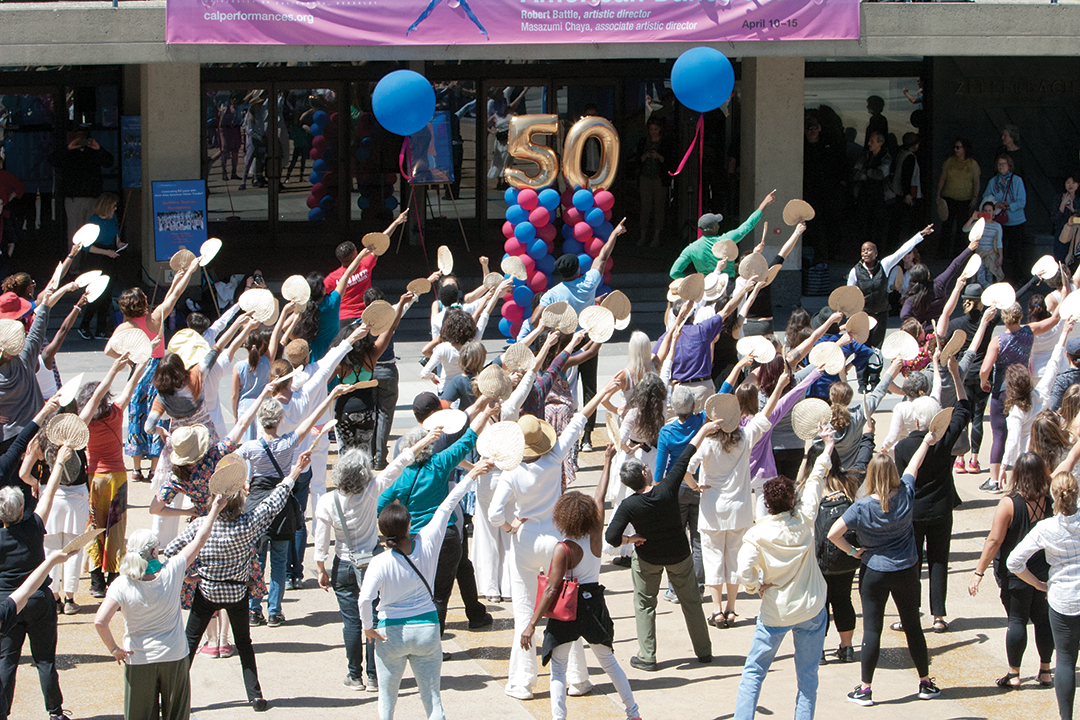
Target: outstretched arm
{"type": "Point", "coordinates": [102, 389]}
{"type": "Point", "coordinates": [605, 252]}
{"type": "Point", "coordinates": [343, 281]}
{"type": "Point", "coordinates": [179, 284]}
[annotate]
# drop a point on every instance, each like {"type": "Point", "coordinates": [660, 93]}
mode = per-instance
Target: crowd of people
{"type": "Point", "coordinates": [738, 458]}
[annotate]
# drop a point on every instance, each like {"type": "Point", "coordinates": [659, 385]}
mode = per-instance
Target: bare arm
{"type": "Point", "coordinates": [45, 498]}
{"type": "Point", "coordinates": [788, 246]}
{"type": "Point", "coordinates": [796, 354]}
{"type": "Point", "coordinates": [275, 334]}
{"type": "Point", "coordinates": [191, 550]}
{"type": "Point", "coordinates": [244, 421]}
{"type": "Point", "coordinates": [102, 389]}
{"type": "Point", "coordinates": [1002, 519]}
{"type": "Point", "coordinates": [774, 398]}
{"type": "Point", "coordinates": [950, 307]}
{"type": "Point", "coordinates": [605, 252]}
{"type": "Point", "coordinates": [179, 284]}
{"type": "Point", "coordinates": [53, 347]}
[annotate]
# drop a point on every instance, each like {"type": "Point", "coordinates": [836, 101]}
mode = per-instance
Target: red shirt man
{"type": "Point", "coordinates": [352, 300]}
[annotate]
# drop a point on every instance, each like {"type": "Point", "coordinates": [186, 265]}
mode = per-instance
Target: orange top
{"type": "Point", "coordinates": [105, 450]}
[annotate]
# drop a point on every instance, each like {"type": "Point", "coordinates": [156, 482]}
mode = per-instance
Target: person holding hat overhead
{"type": "Point", "coordinates": [699, 253]}
{"type": "Point", "coordinates": [523, 505]}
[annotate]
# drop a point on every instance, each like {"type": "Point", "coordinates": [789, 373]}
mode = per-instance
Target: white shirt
{"type": "Point", "coordinates": [46, 380]}
{"type": "Point", "coordinates": [1018, 423]}
{"type": "Point", "coordinates": [437, 315]}
{"type": "Point", "coordinates": [312, 392]}
{"type": "Point", "coordinates": [153, 622]}
{"type": "Point", "coordinates": [530, 490]}
{"type": "Point", "coordinates": [726, 502]}
{"type": "Point", "coordinates": [1059, 536]}
{"type": "Point", "coordinates": [212, 378]}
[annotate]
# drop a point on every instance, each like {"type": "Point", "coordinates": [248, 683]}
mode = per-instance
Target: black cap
{"type": "Point", "coordinates": [567, 266]}
{"type": "Point", "coordinates": [426, 403]}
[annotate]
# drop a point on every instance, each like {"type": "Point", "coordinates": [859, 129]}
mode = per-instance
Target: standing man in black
{"type": "Point", "coordinates": [872, 277]}
{"type": "Point", "coordinates": [79, 167]}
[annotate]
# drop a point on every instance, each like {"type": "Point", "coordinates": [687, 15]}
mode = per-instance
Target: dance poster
{"type": "Point", "coordinates": [504, 22]}
{"type": "Point", "coordinates": [179, 217]}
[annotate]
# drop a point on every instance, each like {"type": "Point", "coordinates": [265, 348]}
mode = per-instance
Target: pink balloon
{"type": "Point", "coordinates": [321, 143]}
{"type": "Point", "coordinates": [607, 278]}
{"type": "Point", "coordinates": [319, 190]}
{"type": "Point", "coordinates": [568, 198]}
{"type": "Point", "coordinates": [513, 246]}
{"type": "Point", "coordinates": [527, 198]}
{"type": "Point", "coordinates": [508, 297]}
{"type": "Point", "coordinates": [583, 231]}
{"type": "Point", "coordinates": [539, 216]}
{"type": "Point", "coordinates": [537, 282]}
{"type": "Point", "coordinates": [594, 247]}
{"type": "Point", "coordinates": [508, 229]}
{"type": "Point", "coordinates": [312, 202]}
{"type": "Point", "coordinates": [548, 233]}
{"type": "Point", "coordinates": [529, 263]}
{"type": "Point", "coordinates": [604, 200]}
{"type": "Point", "coordinates": [607, 215]}
{"type": "Point", "coordinates": [608, 265]}
{"type": "Point", "coordinates": [515, 328]}
{"type": "Point", "coordinates": [572, 216]}
{"type": "Point", "coordinates": [314, 153]}
{"type": "Point", "coordinates": [512, 311]}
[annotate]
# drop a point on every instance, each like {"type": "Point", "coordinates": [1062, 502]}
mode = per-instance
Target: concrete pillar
{"type": "Point", "coordinates": [171, 108]}
{"type": "Point", "coordinates": [772, 154]}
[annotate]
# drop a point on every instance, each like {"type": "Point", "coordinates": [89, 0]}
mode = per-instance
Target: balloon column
{"type": "Point", "coordinates": [586, 227]}
{"type": "Point", "coordinates": [323, 177]}
{"type": "Point", "coordinates": [530, 235]}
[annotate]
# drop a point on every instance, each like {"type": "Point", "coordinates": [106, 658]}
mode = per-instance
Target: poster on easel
{"type": "Point", "coordinates": [179, 216]}
{"type": "Point", "coordinates": [431, 152]}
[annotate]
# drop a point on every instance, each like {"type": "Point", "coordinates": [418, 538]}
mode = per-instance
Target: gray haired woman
{"type": "Point", "coordinates": [155, 648]}
{"type": "Point", "coordinates": [347, 514]}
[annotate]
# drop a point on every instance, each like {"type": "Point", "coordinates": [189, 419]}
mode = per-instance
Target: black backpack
{"type": "Point", "coordinates": [831, 559]}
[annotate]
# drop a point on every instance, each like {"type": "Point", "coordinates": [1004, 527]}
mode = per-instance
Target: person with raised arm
{"type": "Point", "coordinates": [699, 252]}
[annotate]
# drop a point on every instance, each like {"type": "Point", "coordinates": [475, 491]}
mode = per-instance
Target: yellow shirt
{"type": "Point", "coordinates": [961, 181]}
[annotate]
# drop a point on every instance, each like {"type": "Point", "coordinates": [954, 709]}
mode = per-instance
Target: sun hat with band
{"type": "Point", "coordinates": [13, 307]}
{"type": "Point", "coordinates": [539, 436]}
{"type": "Point", "coordinates": [189, 444]}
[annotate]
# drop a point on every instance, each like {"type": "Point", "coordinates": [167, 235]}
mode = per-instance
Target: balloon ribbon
{"type": "Point", "coordinates": [406, 151]}
{"type": "Point", "coordinates": [699, 141]}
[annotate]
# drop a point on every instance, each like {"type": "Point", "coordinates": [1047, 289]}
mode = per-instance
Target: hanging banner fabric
{"type": "Point", "coordinates": [479, 22]}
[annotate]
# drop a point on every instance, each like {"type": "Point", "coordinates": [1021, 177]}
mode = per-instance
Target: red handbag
{"type": "Point", "coordinates": [565, 607]}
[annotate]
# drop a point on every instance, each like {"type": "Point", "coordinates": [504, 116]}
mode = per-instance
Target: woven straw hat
{"type": "Point", "coordinates": [68, 429]}
{"type": "Point", "coordinates": [773, 272]}
{"type": "Point", "coordinates": [974, 263]}
{"type": "Point", "coordinates": [189, 444]}
{"type": "Point", "coordinates": [445, 260]}
{"type": "Point", "coordinates": [419, 286]}
{"type": "Point", "coordinates": [539, 436]}
{"type": "Point", "coordinates": [379, 317]}
{"type": "Point", "coordinates": [503, 443]}
{"type": "Point", "coordinates": [82, 541]}
{"type": "Point", "coordinates": [754, 265]}
{"type": "Point", "coordinates": [999, 295]}
{"type": "Point", "coordinates": [673, 290]}
{"type": "Point", "coordinates": [494, 382]}
{"type": "Point", "coordinates": [12, 337]}
{"type": "Point", "coordinates": [208, 251]}
{"type": "Point", "coordinates": [181, 259]}
{"type": "Point", "coordinates": [1045, 267]}
{"type": "Point", "coordinates": [618, 304]}
{"type": "Point", "coordinates": [96, 288]}
{"type": "Point", "coordinates": [228, 479]}
{"type": "Point", "coordinates": [492, 280]}
{"type": "Point", "coordinates": [67, 392]}
{"type": "Point", "coordinates": [900, 345]}
{"type": "Point", "coordinates": [941, 421]}
{"type": "Point", "coordinates": [378, 243]}
{"type": "Point", "coordinates": [87, 277]}
{"type": "Point", "coordinates": [611, 422]}
{"type": "Point", "coordinates": [692, 287]}
{"type": "Point", "coordinates": [598, 322]}
{"type": "Point", "coordinates": [829, 355]}
{"type": "Point", "coordinates": [976, 230]}
{"type": "Point", "coordinates": [518, 358]}
{"type": "Point", "coordinates": [134, 342]}
{"type": "Point", "coordinates": [296, 289]}
{"type": "Point", "coordinates": [847, 299]}
{"type": "Point", "coordinates": [515, 268]}
{"type": "Point", "coordinates": [188, 344]}
{"type": "Point", "coordinates": [758, 347]}
{"type": "Point", "coordinates": [725, 410]}
{"type": "Point", "coordinates": [797, 211]}
{"type": "Point", "coordinates": [451, 421]}
{"type": "Point", "coordinates": [725, 250]}
{"type": "Point", "coordinates": [953, 346]}
{"type": "Point", "coordinates": [807, 415]}
{"type": "Point", "coordinates": [858, 327]}
{"type": "Point", "coordinates": [259, 302]}
{"type": "Point", "coordinates": [87, 235]}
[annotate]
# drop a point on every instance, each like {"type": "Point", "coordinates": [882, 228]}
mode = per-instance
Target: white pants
{"type": "Point", "coordinates": [607, 661]}
{"type": "Point", "coordinates": [490, 547]}
{"type": "Point", "coordinates": [720, 555]}
{"type": "Point", "coordinates": [65, 576]}
{"type": "Point", "coordinates": [319, 457]}
{"type": "Point", "coordinates": [530, 553]}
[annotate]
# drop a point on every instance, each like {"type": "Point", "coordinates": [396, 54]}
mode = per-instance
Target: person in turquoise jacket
{"type": "Point", "coordinates": [699, 253]}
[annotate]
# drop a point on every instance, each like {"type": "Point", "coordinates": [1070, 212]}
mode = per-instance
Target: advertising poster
{"type": "Point", "coordinates": [131, 151]}
{"type": "Point", "coordinates": [179, 217]}
{"type": "Point", "coordinates": [506, 22]}
{"type": "Point", "coordinates": [432, 151]}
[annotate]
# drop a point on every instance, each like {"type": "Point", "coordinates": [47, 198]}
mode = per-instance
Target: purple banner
{"type": "Point", "coordinates": [473, 22]}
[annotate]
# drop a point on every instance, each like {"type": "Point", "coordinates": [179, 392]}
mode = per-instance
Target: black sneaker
{"type": "Point", "coordinates": [824, 660]}
{"type": "Point", "coordinates": [276, 620]}
{"type": "Point", "coordinates": [255, 618]}
{"type": "Point", "coordinates": [845, 654]}
{"type": "Point", "coordinates": [861, 696]}
{"type": "Point", "coordinates": [259, 704]}
{"type": "Point", "coordinates": [482, 622]}
{"type": "Point", "coordinates": [86, 334]}
{"type": "Point", "coordinates": [990, 486]}
{"type": "Point", "coordinates": [639, 664]}
{"type": "Point", "coordinates": [928, 690]}
{"type": "Point", "coordinates": [621, 561]}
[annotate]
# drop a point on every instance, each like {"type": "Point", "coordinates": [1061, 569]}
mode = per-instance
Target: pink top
{"type": "Point", "coordinates": [140, 322]}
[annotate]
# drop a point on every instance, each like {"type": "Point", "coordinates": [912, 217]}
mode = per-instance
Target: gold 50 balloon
{"type": "Point", "coordinates": [520, 145]}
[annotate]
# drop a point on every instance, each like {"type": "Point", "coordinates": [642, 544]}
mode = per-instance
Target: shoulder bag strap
{"type": "Point", "coordinates": [418, 574]}
{"type": "Point", "coordinates": [344, 527]}
{"type": "Point", "coordinates": [281, 475]}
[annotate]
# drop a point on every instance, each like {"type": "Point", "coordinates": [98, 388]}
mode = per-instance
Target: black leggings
{"type": "Point", "coordinates": [1066, 641]}
{"type": "Point", "coordinates": [199, 618]}
{"type": "Point", "coordinates": [933, 539]}
{"type": "Point", "coordinates": [1023, 604]}
{"type": "Point", "coordinates": [998, 430]}
{"type": "Point", "coordinates": [838, 600]}
{"type": "Point", "coordinates": [875, 587]}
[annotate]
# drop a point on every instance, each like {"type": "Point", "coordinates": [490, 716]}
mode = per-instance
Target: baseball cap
{"type": "Point", "coordinates": [426, 403]}
{"type": "Point", "coordinates": [567, 266]}
{"type": "Point", "coordinates": [708, 220]}
{"type": "Point", "coordinates": [1072, 347]}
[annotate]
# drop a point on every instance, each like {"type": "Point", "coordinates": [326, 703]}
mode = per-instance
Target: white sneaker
{"type": "Point", "coordinates": [518, 692]}
{"type": "Point", "coordinates": [579, 689]}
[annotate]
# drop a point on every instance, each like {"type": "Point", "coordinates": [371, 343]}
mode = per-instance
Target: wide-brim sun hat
{"type": "Point", "coordinates": [189, 444]}
{"type": "Point", "coordinates": [13, 307]}
{"type": "Point", "coordinates": [503, 443]}
{"type": "Point", "coordinates": [715, 285]}
{"type": "Point", "coordinates": [188, 344]}
{"type": "Point", "coordinates": [539, 436]}
{"type": "Point", "coordinates": [12, 337]}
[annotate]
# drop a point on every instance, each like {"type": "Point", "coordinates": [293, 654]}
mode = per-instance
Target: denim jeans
{"type": "Point", "coordinates": [296, 549]}
{"type": "Point", "coordinates": [279, 558]}
{"type": "Point", "coordinates": [809, 637]}
{"type": "Point", "coordinates": [347, 590]}
{"type": "Point", "coordinates": [418, 645]}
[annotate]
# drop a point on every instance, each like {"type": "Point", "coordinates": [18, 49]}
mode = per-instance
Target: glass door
{"type": "Point", "coordinates": [239, 124]}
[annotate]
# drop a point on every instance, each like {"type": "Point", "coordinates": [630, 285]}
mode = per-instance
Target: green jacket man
{"type": "Point", "coordinates": [699, 253]}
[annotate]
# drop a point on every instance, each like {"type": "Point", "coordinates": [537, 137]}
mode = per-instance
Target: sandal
{"type": "Point", "coordinates": [1046, 683]}
{"type": "Point", "coordinates": [1005, 683]}
{"type": "Point", "coordinates": [721, 623]}
{"type": "Point", "coordinates": [897, 626]}
{"type": "Point", "coordinates": [729, 618]}
{"type": "Point", "coordinates": [940, 626]}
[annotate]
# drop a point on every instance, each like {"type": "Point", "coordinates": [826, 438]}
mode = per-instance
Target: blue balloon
{"type": "Point", "coordinates": [510, 196]}
{"type": "Point", "coordinates": [523, 296]}
{"type": "Point", "coordinates": [595, 217]}
{"type": "Point", "coordinates": [549, 198]}
{"type": "Point", "coordinates": [602, 290]}
{"type": "Point", "coordinates": [316, 130]}
{"type": "Point", "coordinates": [314, 177]}
{"type": "Point", "coordinates": [537, 249]}
{"type": "Point", "coordinates": [546, 264]}
{"type": "Point", "coordinates": [604, 230]}
{"type": "Point", "coordinates": [319, 165]}
{"type": "Point", "coordinates": [367, 140]}
{"type": "Point", "coordinates": [567, 232]}
{"type": "Point", "coordinates": [403, 102]}
{"type": "Point", "coordinates": [320, 117]}
{"type": "Point", "coordinates": [583, 200]}
{"type": "Point", "coordinates": [584, 263]}
{"type": "Point", "coordinates": [573, 246]}
{"type": "Point", "coordinates": [362, 153]}
{"type": "Point", "coordinates": [504, 327]}
{"type": "Point", "coordinates": [517, 215]}
{"type": "Point", "coordinates": [316, 214]}
{"type": "Point", "coordinates": [329, 155]}
{"type": "Point", "coordinates": [524, 231]}
{"type": "Point", "coordinates": [391, 203]}
{"type": "Point", "coordinates": [326, 202]}
{"type": "Point", "coordinates": [363, 203]}
{"type": "Point", "coordinates": [702, 79]}
{"type": "Point", "coordinates": [515, 284]}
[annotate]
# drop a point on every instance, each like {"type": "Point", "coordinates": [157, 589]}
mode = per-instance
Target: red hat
{"type": "Point", "coordinates": [13, 307]}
